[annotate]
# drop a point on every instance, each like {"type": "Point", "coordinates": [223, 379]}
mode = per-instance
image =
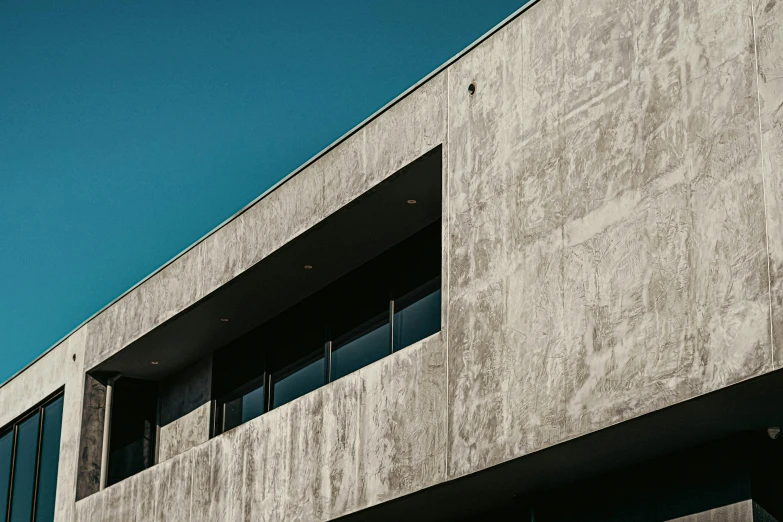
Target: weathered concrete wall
{"type": "Point", "coordinates": [62, 367]}
{"type": "Point", "coordinates": [40, 380]}
{"type": "Point", "coordinates": [768, 16]}
{"type": "Point", "coordinates": [371, 436]}
{"type": "Point", "coordinates": [73, 377]}
{"type": "Point", "coordinates": [612, 190]}
{"type": "Point", "coordinates": [185, 410]}
{"type": "Point", "coordinates": [608, 253]}
{"type": "Point", "coordinates": [88, 475]}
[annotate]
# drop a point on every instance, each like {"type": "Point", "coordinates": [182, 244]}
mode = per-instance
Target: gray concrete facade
{"type": "Point", "coordinates": [612, 245]}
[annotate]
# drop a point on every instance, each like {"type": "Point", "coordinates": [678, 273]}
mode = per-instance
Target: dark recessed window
{"type": "Point", "coordinates": [6, 457]}
{"type": "Point", "coordinates": [297, 382]}
{"type": "Point", "coordinates": [24, 469]}
{"type": "Point", "coordinates": [133, 428]}
{"type": "Point", "coordinates": [29, 457]}
{"type": "Point", "coordinates": [384, 305]}
{"type": "Point", "coordinates": [417, 316]}
{"type": "Point", "coordinates": [367, 344]}
{"type": "Point", "coordinates": [244, 408]}
{"type": "Point", "coordinates": [50, 460]}
{"type": "Point", "coordinates": [245, 404]}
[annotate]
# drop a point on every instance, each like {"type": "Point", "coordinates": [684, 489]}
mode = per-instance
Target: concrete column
{"type": "Point", "coordinates": [107, 432]}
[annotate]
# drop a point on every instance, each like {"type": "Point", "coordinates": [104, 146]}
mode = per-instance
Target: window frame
{"type": "Point", "coordinates": [13, 427]}
{"type": "Point", "coordinates": [392, 291]}
{"type": "Point", "coordinates": [411, 297]}
{"type": "Point", "coordinates": [219, 404]}
{"type": "Point", "coordinates": [275, 377]}
{"type": "Point", "coordinates": [268, 379]}
{"type": "Point", "coordinates": [121, 384]}
{"type": "Point", "coordinates": [370, 325]}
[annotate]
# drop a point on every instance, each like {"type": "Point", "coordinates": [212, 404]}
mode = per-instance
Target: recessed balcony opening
{"type": "Point", "coordinates": [385, 305]}
{"type": "Point", "coordinates": [358, 286]}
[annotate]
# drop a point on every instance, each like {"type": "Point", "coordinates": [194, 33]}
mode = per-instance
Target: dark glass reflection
{"type": "Point", "coordinates": [244, 408]}
{"type": "Point", "coordinates": [50, 458]}
{"type": "Point", "coordinates": [253, 404]}
{"type": "Point", "coordinates": [298, 383]}
{"type": "Point", "coordinates": [6, 450]}
{"type": "Point", "coordinates": [418, 320]}
{"type": "Point", "coordinates": [24, 470]}
{"type": "Point", "coordinates": [133, 427]}
{"type": "Point", "coordinates": [361, 351]}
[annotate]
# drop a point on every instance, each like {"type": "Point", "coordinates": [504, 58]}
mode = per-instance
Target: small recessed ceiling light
{"type": "Point", "coordinates": [153, 362]}
{"type": "Point", "coordinates": [224, 319]}
{"type": "Point", "coordinates": [308, 267]}
{"type": "Point", "coordinates": [411, 202]}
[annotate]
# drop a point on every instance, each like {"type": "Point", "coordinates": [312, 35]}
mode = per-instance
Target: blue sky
{"type": "Point", "coordinates": [128, 130]}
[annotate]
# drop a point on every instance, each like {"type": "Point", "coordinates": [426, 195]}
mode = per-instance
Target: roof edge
{"type": "Point", "coordinates": [448, 63]}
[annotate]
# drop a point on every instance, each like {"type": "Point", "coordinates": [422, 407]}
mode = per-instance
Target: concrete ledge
{"type": "Point", "coordinates": [369, 437]}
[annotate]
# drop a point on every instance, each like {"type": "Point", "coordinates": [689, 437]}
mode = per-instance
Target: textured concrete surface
{"type": "Point", "coordinates": [93, 416]}
{"type": "Point", "coordinates": [768, 16]}
{"type": "Point", "coordinates": [43, 379]}
{"type": "Point", "coordinates": [607, 247]}
{"type": "Point", "coordinates": [73, 377]}
{"type": "Point", "coordinates": [185, 410]}
{"type": "Point", "coordinates": [62, 367]}
{"type": "Point", "coordinates": [613, 221]}
{"type": "Point", "coordinates": [374, 435]}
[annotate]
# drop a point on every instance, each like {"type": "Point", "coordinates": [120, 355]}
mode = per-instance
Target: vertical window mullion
{"type": "Point", "coordinates": [390, 283]}
{"type": "Point", "coordinates": [13, 472]}
{"type": "Point", "coordinates": [327, 352]}
{"type": "Point", "coordinates": [267, 376]}
{"type": "Point", "coordinates": [391, 326]}
{"type": "Point", "coordinates": [213, 418]}
{"type": "Point", "coordinates": [220, 422]}
{"type": "Point", "coordinates": [327, 362]}
{"type": "Point", "coordinates": [37, 461]}
{"type": "Point", "coordinates": [269, 391]}
{"type": "Point", "coordinates": [265, 398]}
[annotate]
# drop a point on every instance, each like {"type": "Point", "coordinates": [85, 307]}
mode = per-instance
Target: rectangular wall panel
{"type": "Point", "coordinates": [608, 253]}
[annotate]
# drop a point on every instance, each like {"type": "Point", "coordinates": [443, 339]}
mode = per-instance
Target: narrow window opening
{"type": "Point", "coordinates": [133, 428]}
{"type": "Point", "coordinates": [29, 458]}
{"type": "Point", "coordinates": [247, 403]}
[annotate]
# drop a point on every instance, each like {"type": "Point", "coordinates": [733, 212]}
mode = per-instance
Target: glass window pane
{"type": "Point", "coordinates": [50, 458]}
{"type": "Point", "coordinates": [24, 470]}
{"type": "Point", "coordinates": [242, 409]}
{"type": "Point", "coordinates": [232, 414]}
{"type": "Point", "coordinates": [360, 352]}
{"type": "Point", "coordinates": [299, 383]}
{"type": "Point", "coordinates": [253, 404]}
{"type": "Point", "coordinates": [6, 449]}
{"type": "Point", "coordinates": [416, 321]}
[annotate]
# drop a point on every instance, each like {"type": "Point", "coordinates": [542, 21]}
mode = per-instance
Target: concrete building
{"type": "Point", "coordinates": [546, 283]}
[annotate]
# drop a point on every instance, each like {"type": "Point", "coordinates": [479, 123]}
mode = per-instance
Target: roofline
{"type": "Point", "coordinates": [306, 164]}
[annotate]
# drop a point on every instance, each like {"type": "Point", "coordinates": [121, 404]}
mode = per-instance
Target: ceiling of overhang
{"type": "Point", "coordinates": [351, 236]}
